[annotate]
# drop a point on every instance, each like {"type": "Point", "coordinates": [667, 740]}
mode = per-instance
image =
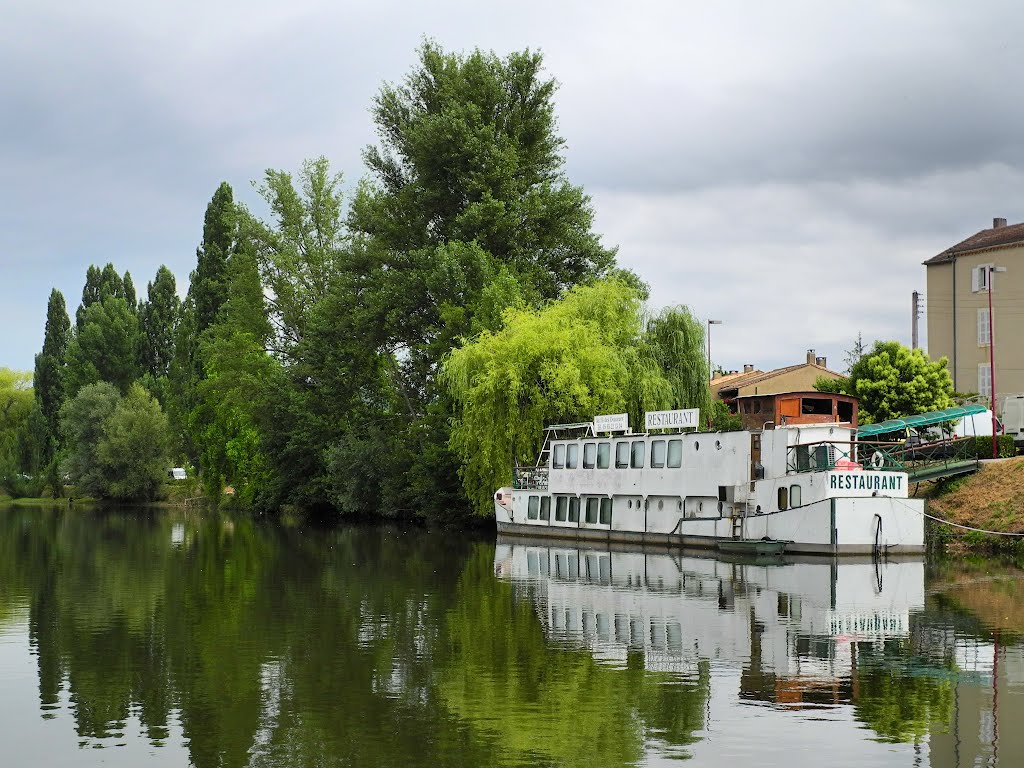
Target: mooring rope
{"type": "Point", "coordinates": [969, 528]}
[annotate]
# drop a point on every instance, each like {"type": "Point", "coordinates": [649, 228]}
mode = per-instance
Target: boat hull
{"type": "Point", "coordinates": [837, 526]}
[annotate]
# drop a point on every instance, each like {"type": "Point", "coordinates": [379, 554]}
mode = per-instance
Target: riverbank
{"type": "Point", "coordinates": [989, 500]}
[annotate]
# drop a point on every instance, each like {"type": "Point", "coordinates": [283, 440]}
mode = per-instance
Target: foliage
{"type": "Point", "coordinates": [829, 384]}
{"type": "Point", "coordinates": [158, 319]}
{"type": "Point", "coordinates": [854, 354]}
{"type": "Point", "coordinates": [721, 419]}
{"type": "Point", "coordinates": [83, 421]}
{"type": "Point", "coordinates": [585, 354]}
{"type": "Point", "coordinates": [48, 381]}
{"type": "Point", "coordinates": [209, 282]}
{"type": "Point", "coordinates": [981, 447]}
{"type": "Point", "coordinates": [105, 347]}
{"type": "Point", "coordinates": [16, 406]}
{"type": "Point", "coordinates": [132, 451]}
{"type": "Point", "coordinates": [893, 381]}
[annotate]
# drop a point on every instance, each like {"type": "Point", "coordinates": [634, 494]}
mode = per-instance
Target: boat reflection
{"type": "Point", "coordinates": [792, 628]}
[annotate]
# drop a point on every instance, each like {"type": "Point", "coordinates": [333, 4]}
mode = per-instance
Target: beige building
{"type": "Point", "coordinates": [793, 378]}
{"type": "Point", "coordinates": [957, 300]}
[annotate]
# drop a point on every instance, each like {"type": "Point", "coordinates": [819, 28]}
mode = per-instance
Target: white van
{"type": "Point", "coordinates": [177, 473]}
{"type": "Point", "coordinates": [976, 425]}
{"type": "Point", "coordinates": [1013, 417]}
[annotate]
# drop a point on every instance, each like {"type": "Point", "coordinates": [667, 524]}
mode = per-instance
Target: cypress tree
{"type": "Point", "coordinates": [48, 382]}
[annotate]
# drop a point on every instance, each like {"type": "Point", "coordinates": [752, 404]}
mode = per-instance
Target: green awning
{"type": "Point", "coordinates": [920, 420]}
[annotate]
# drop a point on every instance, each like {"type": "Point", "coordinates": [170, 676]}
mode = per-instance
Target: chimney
{"type": "Point", "coordinates": [810, 357]}
{"type": "Point", "coordinates": [820, 361]}
{"type": "Point", "coordinates": [748, 367]}
{"type": "Point", "coordinates": [997, 223]}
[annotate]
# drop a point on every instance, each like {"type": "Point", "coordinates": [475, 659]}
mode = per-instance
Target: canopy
{"type": "Point", "coordinates": [920, 420]}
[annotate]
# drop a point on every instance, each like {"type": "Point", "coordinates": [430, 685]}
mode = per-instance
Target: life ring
{"type": "Point", "coordinates": [877, 460]}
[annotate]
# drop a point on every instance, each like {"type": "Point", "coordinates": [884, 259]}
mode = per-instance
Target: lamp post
{"type": "Point", "coordinates": [710, 323]}
{"type": "Point", "coordinates": [991, 269]}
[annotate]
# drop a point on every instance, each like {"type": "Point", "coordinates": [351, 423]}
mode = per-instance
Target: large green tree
{"type": "Point", "coordinates": [132, 451]}
{"type": "Point", "coordinates": [892, 380]}
{"type": "Point", "coordinates": [209, 282]}
{"type": "Point", "coordinates": [48, 381]}
{"type": "Point", "coordinates": [16, 401]}
{"type": "Point", "coordinates": [83, 420]}
{"type": "Point", "coordinates": [585, 354]}
{"type": "Point", "coordinates": [106, 347]}
{"type": "Point", "coordinates": [158, 317]}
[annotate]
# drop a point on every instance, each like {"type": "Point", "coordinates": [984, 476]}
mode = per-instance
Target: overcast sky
{"type": "Point", "coordinates": [784, 167]}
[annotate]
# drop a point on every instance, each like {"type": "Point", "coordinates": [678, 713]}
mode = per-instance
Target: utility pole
{"type": "Point", "coordinates": [915, 312]}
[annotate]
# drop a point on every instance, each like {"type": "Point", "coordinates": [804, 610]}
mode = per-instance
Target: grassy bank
{"type": "Point", "coordinates": [991, 500]}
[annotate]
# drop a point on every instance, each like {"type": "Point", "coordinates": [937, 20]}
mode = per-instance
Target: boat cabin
{"type": "Point", "coordinates": [795, 408]}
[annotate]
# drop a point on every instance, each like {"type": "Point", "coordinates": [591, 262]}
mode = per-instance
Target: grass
{"type": "Point", "coordinates": [991, 499]}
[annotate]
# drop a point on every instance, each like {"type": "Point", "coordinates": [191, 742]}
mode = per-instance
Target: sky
{"type": "Point", "coordinates": [783, 167]}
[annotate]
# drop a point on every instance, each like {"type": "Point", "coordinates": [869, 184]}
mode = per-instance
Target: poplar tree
{"type": "Point", "coordinates": [159, 316]}
{"type": "Point", "coordinates": [209, 281]}
{"type": "Point", "coordinates": [48, 381]}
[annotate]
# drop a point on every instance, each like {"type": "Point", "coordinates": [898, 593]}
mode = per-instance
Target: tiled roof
{"type": "Point", "coordinates": [755, 377]}
{"type": "Point", "coordinates": [988, 238]}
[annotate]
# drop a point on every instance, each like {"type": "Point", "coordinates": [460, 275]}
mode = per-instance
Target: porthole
{"type": "Point", "coordinates": [679, 505]}
{"type": "Point", "coordinates": [718, 444]}
{"type": "Point", "coordinates": [696, 445]}
{"type": "Point", "coordinates": [629, 504]}
{"type": "Point", "coordinates": [661, 505]}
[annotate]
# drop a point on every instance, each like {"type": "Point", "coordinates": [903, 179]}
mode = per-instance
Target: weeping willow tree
{"type": "Point", "coordinates": [592, 351]}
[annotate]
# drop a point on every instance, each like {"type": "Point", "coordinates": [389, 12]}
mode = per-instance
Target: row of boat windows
{"type": "Point", "coordinates": [596, 510]}
{"type": "Point", "coordinates": [628, 454]}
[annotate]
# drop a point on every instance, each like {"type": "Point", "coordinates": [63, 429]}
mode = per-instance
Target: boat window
{"type": "Point", "coordinates": [574, 509]}
{"type": "Point", "coordinates": [561, 504]}
{"type": "Point", "coordinates": [637, 458]}
{"type": "Point", "coordinates": [675, 454]}
{"type": "Point", "coordinates": [621, 455]}
{"type": "Point", "coordinates": [757, 406]}
{"type": "Point", "coordinates": [783, 498]}
{"type": "Point", "coordinates": [533, 508]}
{"type": "Point", "coordinates": [592, 505]}
{"type": "Point", "coordinates": [794, 495]}
{"type": "Point", "coordinates": [658, 450]}
{"type": "Point", "coordinates": [604, 455]}
{"type": "Point", "coordinates": [819, 406]}
{"type": "Point", "coordinates": [844, 411]}
{"type": "Point", "coordinates": [589, 455]}
{"type": "Point", "coordinates": [572, 456]}
{"type": "Point", "coordinates": [606, 511]}
{"type": "Point", "coordinates": [558, 457]}
{"type": "Point", "coordinates": [545, 507]}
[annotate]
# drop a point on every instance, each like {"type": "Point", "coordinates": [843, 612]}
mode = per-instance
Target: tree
{"type": "Point", "coordinates": [16, 401]}
{"type": "Point", "coordinates": [582, 355]}
{"type": "Point", "coordinates": [106, 347]}
{"type": "Point", "coordinates": [83, 421]}
{"type": "Point", "coordinates": [209, 282]}
{"type": "Point", "coordinates": [893, 381]}
{"type": "Point", "coordinates": [854, 354]}
{"type": "Point", "coordinates": [48, 381]}
{"type": "Point", "coordinates": [158, 318]}
{"type": "Point", "coordinates": [132, 450]}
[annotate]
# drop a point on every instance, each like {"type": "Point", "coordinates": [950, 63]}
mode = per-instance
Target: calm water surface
{"type": "Point", "coordinates": [173, 639]}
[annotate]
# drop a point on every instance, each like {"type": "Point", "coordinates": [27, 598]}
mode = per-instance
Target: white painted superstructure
{"type": "Point", "coordinates": [812, 485]}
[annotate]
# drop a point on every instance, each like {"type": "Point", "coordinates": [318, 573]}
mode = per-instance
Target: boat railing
{"type": "Point", "coordinates": [880, 456]}
{"type": "Point", "coordinates": [530, 478]}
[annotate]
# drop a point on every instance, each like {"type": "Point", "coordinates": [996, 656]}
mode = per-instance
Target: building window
{"type": "Point", "coordinates": [561, 504]}
{"type": "Point", "coordinates": [621, 455]}
{"type": "Point", "coordinates": [572, 456]}
{"type": "Point", "coordinates": [533, 508]}
{"type": "Point", "coordinates": [675, 454]}
{"type": "Point", "coordinates": [558, 457]}
{"type": "Point", "coordinates": [657, 454]}
{"type": "Point", "coordinates": [574, 509]}
{"type": "Point", "coordinates": [984, 379]}
{"type": "Point", "coordinates": [589, 455]}
{"type": "Point", "coordinates": [592, 507]}
{"type": "Point", "coordinates": [604, 453]}
{"type": "Point", "coordinates": [637, 458]}
{"type": "Point", "coordinates": [980, 277]}
{"type": "Point", "coordinates": [984, 337]}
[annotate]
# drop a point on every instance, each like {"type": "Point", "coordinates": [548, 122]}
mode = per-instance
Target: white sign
{"type": "Point", "coordinates": [612, 422]}
{"type": "Point", "coordinates": [685, 419]}
{"type": "Point", "coordinates": [866, 484]}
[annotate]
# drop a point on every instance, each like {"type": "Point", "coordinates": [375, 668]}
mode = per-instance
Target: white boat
{"type": "Point", "coordinates": [814, 487]}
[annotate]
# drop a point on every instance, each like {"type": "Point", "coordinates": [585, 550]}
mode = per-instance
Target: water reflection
{"type": "Point", "coordinates": [179, 638]}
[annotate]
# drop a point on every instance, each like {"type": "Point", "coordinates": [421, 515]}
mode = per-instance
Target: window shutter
{"type": "Point", "coordinates": [983, 336]}
{"type": "Point", "coordinates": [975, 279]}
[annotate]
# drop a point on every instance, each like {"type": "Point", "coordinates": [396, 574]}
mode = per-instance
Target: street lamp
{"type": "Point", "coordinates": [710, 323]}
{"type": "Point", "coordinates": [990, 269]}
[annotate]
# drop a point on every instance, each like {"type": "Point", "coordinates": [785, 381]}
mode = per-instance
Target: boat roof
{"type": "Point", "coordinates": [920, 420]}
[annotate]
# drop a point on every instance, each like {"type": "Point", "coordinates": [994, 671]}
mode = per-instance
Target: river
{"type": "Point", "coordinates": [180, 638]}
